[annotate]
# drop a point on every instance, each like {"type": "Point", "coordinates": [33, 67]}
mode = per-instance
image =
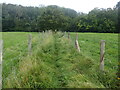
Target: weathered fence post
{"type": "Point", "coordinates": [76, 43]}
{"type": "Point", "coordinates": [102, 52]}
{"type": "Point", "coordinates": [39, 34]}
{"type": "Point", "coordinates": [1, 47]}
{"type": "Point", "coordinates": [49, 32]}
{"type": "Point", "coordinates": [29, 44]}
{"type": "Point", "coordinates": [68, 35]}
{"type": "Point", "coordinates": [43, 34]}
{"type": "Point", "coordinates": [65, 33]}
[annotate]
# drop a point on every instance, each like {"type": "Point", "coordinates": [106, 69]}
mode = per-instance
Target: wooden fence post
{"type": "Point", "coordinates": [76, 43]}
{"type": "Point", "coordinates": [76, 36]}
{"type": "Point", "coordinates": [29, 44]}
{"type": "Point", "coordinates": [39, 34]}
{"type": "Point", "coordinates": [65, 34]}
{"type": "Point", "coordinates": [43, 34]}
{"type": "Point", "coordinates": [68, 35]}
{"type": "Point", "coordinates": [1, 47]}
{"type": "Point", "coordinates": [48, 32]}
{"type": "Point", "coordinates": [102, 52]}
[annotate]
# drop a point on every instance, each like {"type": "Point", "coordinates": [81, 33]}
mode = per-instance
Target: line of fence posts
{"type": "Point", "coordinates": [102, 50]}
{"type": "Point", "coordinates": [1, 48]}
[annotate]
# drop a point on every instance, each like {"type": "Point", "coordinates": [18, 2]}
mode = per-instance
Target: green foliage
{"type": "Point", "coordinates": [52, 19]}
{"type": "Point", "coordinates": [19, 18]}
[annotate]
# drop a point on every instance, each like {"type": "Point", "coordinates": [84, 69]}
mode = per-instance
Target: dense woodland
{"type": "Point", "coordinates": [34, 19]}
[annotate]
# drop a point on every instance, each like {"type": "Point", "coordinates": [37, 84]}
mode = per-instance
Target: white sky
{"type": "Point", "coordinates": [78, 5]}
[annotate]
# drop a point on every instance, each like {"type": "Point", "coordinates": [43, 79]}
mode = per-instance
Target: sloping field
{"type": "Point", "coordinates": [55, 63]}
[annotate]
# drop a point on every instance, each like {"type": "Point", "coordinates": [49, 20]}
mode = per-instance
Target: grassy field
{"type": "Point", "coordinates": [55, 63]}
{"type": "Point", "coordinates": [90, 46]}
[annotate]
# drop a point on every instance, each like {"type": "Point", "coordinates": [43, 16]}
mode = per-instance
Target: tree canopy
{"type": "Point", "coordinates": [52, 17]}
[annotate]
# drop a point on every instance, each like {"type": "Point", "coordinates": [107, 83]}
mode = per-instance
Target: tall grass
{"type": "Point", "coordinates": [55, 63]}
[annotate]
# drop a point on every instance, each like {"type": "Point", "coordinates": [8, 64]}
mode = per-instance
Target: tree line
{"type": "Point", "coordinates": [52, 17]}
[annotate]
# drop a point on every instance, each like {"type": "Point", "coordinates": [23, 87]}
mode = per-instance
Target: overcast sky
{"type": "Point", "coordinates": [78, 5]}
